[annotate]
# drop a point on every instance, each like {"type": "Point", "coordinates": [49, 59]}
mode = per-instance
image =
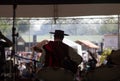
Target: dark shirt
{"type": "Point", "coordinates": [57, 55]}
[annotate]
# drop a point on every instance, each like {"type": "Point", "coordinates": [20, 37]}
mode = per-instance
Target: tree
{"type": "Point", "coordinates": [23, 25]}
{"type": "Point", "coordinates": [108, 29]}
{"type": "Point", "coordinates": [6, 25]}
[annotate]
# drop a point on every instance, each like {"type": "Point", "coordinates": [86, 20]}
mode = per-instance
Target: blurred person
{"type": "Point", "coordinates": [21, 68]}
{"type": "Point", "coordinates": [28, 72]}
{"type": "Point", "coordinates": [4, 42]}
{"type": "Point", "coordinates": [91, 64]}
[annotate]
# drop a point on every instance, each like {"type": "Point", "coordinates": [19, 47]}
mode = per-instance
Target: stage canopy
{"type": "Point", "coordinates": [59, 8]}
{"type": "Point", "coordinates": [43, 2]}
{"type": "Point", "coordinates": [87, 43]}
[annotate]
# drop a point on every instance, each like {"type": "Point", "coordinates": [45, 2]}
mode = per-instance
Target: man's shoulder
{"type": "Point", "coordinates": [50, 42]}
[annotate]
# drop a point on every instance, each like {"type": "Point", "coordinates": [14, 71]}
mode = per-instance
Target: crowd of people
{"type": "Point", "coordinates": [56, 62]}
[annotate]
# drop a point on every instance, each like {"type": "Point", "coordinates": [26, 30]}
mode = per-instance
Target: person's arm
{"type": "Point", "coordinates": [92, 56]}
{"type": "Point", "coordinates": [75, 56]}
{"type": "Point", "coordinates": [9, 43]}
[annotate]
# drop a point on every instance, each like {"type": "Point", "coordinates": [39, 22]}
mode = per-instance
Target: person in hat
{"type": "Point", "coordinates": [58, 54]}
{"type": "Point", "coordinates": [60, 61]}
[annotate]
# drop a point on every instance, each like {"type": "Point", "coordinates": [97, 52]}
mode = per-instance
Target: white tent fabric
{"type": "Point", "coordinates": [74, 45]}
{"type": "Point", "coordinates": [61, 10]}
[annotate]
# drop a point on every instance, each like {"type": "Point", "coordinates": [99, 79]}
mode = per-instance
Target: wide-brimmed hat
{"type": "Point", "coordinates": [59, 32]}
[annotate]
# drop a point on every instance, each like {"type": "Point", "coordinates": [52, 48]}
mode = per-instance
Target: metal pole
{"type": "Point", "coordinates": [118, 32]}
{"type": "Point", "coordinates": [29, 39]}
{"type": "Point", "coordinates": [55, 13]}
{"type": "Point", "coordinates": [14, 35]}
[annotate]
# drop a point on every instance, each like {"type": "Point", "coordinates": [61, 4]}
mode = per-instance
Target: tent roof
{"type": "Point", "coordinates": [64, 8]}
{"type": "Point", "coordinates": [87, 44]}
{"type": "Point", "coordinates": [39, 2]}
{"type": "Point", "coordinates": [60, 10]}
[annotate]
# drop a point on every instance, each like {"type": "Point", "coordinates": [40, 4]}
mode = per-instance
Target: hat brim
{"type": "Point", "coordinates": [54, 33]}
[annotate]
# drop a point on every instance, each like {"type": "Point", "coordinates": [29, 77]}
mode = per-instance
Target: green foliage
{"type": "Point", "coordinates": [6, 25]}
{"type": "Point", "coordinates": [23, 26]}
{"type": "Point", "coordinates": [104, 55]}
{"type": "Point", "coordinates": [108, 29]}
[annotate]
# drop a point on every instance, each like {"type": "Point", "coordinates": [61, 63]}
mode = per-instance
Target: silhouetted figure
{"type": "Point", "coordinates": [58, 53]}
{"type": "Point", "coordinates": [108, 72]}
{"type": "Point", "coordinates": [91, 62]}
{"type": "Point", "coordinates": [4, 42]}
{"type": "Point", "coordinates": [61, 61]}
{"type": "Point", "coordinates": [109, 59]}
